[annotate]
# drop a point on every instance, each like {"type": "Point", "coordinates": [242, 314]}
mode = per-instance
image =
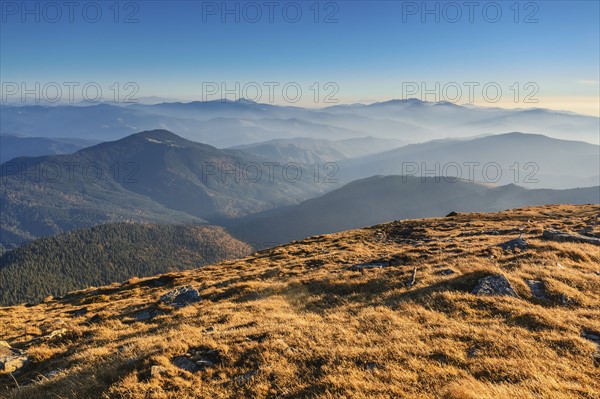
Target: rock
{"type": "Point", "coordinates": [592, 336]}
{"type": "Point", "coordinates": [493, 232]}
{"type": "Point", "coordinates": [185, 364]}
{"type": "Point", "coordinates": [565, 300]}
{"type": "Point", "coordinates": [494, 285]}
{"type": "Point", "coordinates": [204, 364]}
{"type": "Point", "coordinates": [453, 213]}
{"type": "Point", "coordinates": [537, 288]}
{"type": "Point", "coordinates": [196, 359]}
{"type": "Point", "coordinates": [595, 338]}
{"type": "Point", "coordinates": [371, 265]}
{"type": "Point", "coordinates": [205, 358]}
{"type": "Point", "coordinates": [372, 366]}
{"type": "Point", "coordinates": [146, 314]}
{"type": "Point", "coordinates": [446, 272]}
{"type": "Point", "coordinates": [511, 245]}
{"type": "Point", "coordinates": [181, 297]}
{"type": "Point", "coordinates": [566, 237]}
{"type": "Point", "coordinates": [588, 231]}
{"type": "Point", "coordinates": [55, 334]}
{"type": "Point", "coordinates": [11, 359]}
{"type": "Point", "coordinates": [246, 376]}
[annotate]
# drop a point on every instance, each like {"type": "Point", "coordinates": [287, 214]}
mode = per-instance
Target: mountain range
{"type": "Point", "coordinates": [14, 146]}
{"type": "Point", "coordinates": [228, 123]}
{"type": "Point", "coordinates": [154, 176]}
{"type": "Point", "coordinates": [530, 160]}
{"type": "Point", "coordinates": [379, 199]}
{"type": "Point", "coordinates": [308, 151]}
{"type": "Point", "coordinates": [258, 191]}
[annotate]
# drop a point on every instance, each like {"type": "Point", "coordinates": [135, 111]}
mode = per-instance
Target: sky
{"type": "Point", "coordinates": [505, 53]}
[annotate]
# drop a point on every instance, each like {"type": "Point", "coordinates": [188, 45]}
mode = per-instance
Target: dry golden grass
{"type": "Point", "coordinates": [294, 322]}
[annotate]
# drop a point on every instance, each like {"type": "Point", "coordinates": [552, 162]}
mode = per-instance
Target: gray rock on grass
{"type": "Point", "coordinates": [11, 359]}
{"type": "Point", "coordinates": [494, 285]}
{"type": "Point", "coordinates": [181, 297]}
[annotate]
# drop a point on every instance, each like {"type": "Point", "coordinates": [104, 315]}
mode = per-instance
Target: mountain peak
{"type": "Point", "coordinates": [396, 101]}
{"type": "Point", "coordinates": [157, 134]}
{"type": "Point", "coordinates": [157, 137]}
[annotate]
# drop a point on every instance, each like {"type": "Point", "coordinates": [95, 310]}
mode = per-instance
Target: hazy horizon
{"type": "Point", "coordinates": [517, 55]}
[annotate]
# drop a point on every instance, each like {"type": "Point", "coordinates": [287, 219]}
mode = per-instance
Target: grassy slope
{"type": "Point", "coordinates": [294, 322]}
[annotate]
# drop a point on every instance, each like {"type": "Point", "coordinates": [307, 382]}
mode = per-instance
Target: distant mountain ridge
{"type": "Point", "coordinates": [380, 199]}
{"type": "Point", "coordinates": [229, 123]}
{"type": "Point", "coordinates": [531, 160]}
{"type": "Point", "coordinates": [308, 150]}
{"type": "Point", "coordinates": [14, 146]}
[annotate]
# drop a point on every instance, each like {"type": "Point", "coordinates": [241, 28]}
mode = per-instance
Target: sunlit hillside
{"type": "Point", "coordinates": [432, 308]}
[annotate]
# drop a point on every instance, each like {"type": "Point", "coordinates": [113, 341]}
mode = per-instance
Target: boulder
{"type": "Point", "coordinates": [446, 272]}
{"type": "Point", "coordinates": [198, 359]}
{"type": "Point", "coordinates": [181, 297]}
{"type": "Point", "coordinates": [185, 364]}
{"type": "Point", "coordinates": [567, 237]}
{"type": "Point", "coordinates": [494, 285]}
{"type": "Point", "coordinates": [594, 337]}
{"type": "Point", "coordinates": [205, 358]}
{"type": "Point", "coordinates": [11, 359]}
{"type": "Point", "coordinates": [511, 245]}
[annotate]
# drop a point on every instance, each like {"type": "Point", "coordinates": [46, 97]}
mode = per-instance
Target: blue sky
{"type": "Point", "coordinates": [369, 50]}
